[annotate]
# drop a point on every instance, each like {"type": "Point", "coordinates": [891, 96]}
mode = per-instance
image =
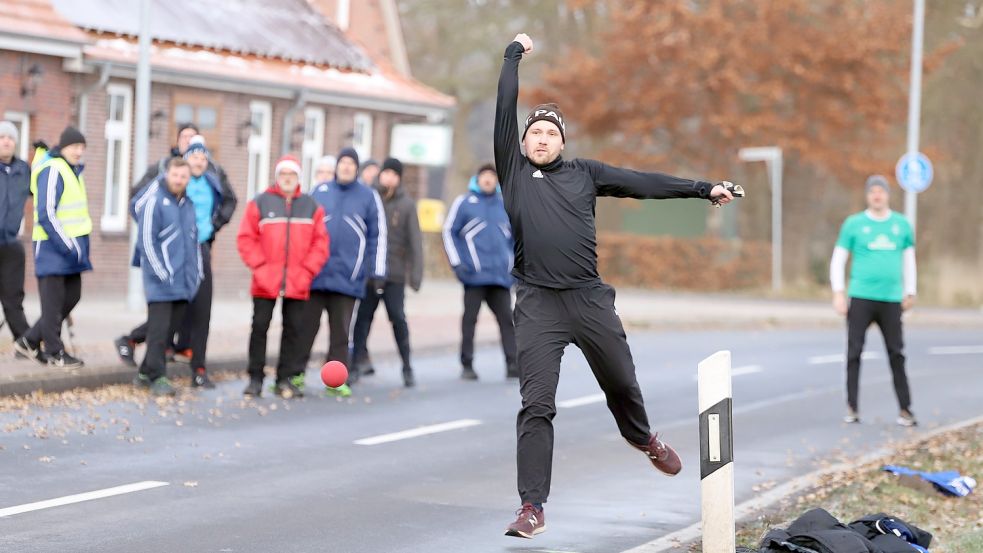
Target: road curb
{"type": "Point", "coordinates": [49, 380]}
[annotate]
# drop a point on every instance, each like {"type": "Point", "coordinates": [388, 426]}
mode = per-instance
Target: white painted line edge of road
{"type": "Point", "coordinates": [955, 350]}
{"type": "Point", "coordinates": [840, 358]}
{"type": "Point", "coordinates": [417, 432]}
{"type": "Point", "coordinates": [79, 498]}
{"type": "Point", "coordinates": [581, 401]}
{"type": "Point", "coordinates": [681, 538]}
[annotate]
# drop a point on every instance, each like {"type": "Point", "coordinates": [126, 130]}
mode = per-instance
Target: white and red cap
{"type": "Point", "coordinates": [287, 163]}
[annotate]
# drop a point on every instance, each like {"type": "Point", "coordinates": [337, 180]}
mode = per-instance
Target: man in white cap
{"type": "Point", "coordinates": [15, 189]}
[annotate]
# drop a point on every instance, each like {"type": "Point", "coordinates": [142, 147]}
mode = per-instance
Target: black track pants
{"type": "Point", "coordinates": [887, 315]}
{"type": "Point", "coordinates": [546, 320]}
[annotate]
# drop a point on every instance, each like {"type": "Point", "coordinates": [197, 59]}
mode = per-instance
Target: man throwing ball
{"type": "Point", "coordinates": [560, 298]}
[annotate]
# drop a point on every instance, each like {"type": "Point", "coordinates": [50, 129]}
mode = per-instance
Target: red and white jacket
{"type": "Point", "coordinates": [284, 242]}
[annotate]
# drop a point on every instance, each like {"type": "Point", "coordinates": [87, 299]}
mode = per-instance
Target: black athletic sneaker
{"type": "Point", "coordinates": [124, 348]}
{"type": "Point", "coordinates": [530, 521]}
{"type": "Point", "coordinates": [63, 360]}
{"type": "Point", "coordinates": [254, 389]}
{"type": "Point", "coordinates": [408, 380]}
{"type": "Point", "coordinates": [467, 373]}
{"type": "Point", "coordinates": [353, 375]}
{"type": "Point", "coordinates": [28, 349]}
{"type": "Point", "coordinates": [200, 379]}
{"type": "Point", "coordinates": [287, 390]}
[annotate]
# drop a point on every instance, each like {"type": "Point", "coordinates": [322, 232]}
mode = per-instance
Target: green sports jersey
{"type": "Point", "coordinates": [877, 250]}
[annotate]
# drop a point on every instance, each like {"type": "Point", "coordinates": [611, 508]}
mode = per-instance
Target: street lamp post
{"type": "Point", "coordinates": [915, 101]}
{"type": "Point", "coordinates": [772, 156]}
{"type": "Point", "coordinates": [134, 291]}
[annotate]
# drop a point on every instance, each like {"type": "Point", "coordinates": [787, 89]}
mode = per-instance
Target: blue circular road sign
{"type": "Point", "coordinates": [914, 172]}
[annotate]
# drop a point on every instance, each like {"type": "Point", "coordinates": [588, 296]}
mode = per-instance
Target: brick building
{"type": "Point", "coordinates": [260, 78]}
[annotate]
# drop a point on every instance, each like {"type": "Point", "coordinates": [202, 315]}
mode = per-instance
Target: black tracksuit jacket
{"type": "Point", "coordinates": [552, 207]}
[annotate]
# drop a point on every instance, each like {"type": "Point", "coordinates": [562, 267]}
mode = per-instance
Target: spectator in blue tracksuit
{"type": "Point", "coordinates": [478, 241]}
{"type": "Point", "coordinates": [356, 223]}
{"type": "Point", "coordinates": [15, 189]}
{"type": "Point", "coordinates": [215, 202]}
{"type": "Point", "coordinates": [170, 259]}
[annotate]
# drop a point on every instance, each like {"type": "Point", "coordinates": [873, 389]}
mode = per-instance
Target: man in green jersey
{"type": "Point", "coordinates": [882, 285]}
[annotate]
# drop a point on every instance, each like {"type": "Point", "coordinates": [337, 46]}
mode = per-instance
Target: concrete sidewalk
{"type": "Point", "coordinates": [434, 318]}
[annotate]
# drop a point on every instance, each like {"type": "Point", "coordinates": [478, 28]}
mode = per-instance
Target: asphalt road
{"type": "Point", "coordinates": [277, 476]}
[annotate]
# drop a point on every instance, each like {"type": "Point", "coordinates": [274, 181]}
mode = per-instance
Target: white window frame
{"type": "Point", "coordinates": [313, 148]}
{"type": "Point", "coordinates": [23, 121]}
{"type": "Point", "coordinates": [260, 142]}
{"type": "Point", "coordinates": [117, 131]}
{"type": "Point", "coordinates": [362, 135]}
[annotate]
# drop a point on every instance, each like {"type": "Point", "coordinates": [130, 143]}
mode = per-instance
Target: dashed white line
{"type": "Point", "coordinates": [79, 498]}
{"type": "Point", "coordinates": [417, 432]}
{"type": "Point", "coordinates": [840, 358]}
{"type": "Point", "coordinates": [581, 401]}
{"type": "Point", "coordinates": [955, 350]}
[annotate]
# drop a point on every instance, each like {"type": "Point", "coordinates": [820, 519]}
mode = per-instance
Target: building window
{"type": "Point", "coordinates": [119, 123]}
{"type": "Point", "coordinates": [260, 131]}
{"type": "Point", "coordinates": [204, 111]}
{"type": "Point", "coordinates": [22, 121]}
{"type": "Point", "coordinates": [313, 147]}
{"type": "Point", "coordinates": [362, 136]}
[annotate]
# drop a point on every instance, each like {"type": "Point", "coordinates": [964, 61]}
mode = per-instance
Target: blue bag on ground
{"type": "Point", "coordinates": [948, 482]}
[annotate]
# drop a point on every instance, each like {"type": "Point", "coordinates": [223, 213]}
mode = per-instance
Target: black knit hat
{"type": "Point", "coordinates": [546, 112]}
{"type": "Point", "coordinates": [394, 164]}
{"type": "Point", "coordinates": [349, 152]}
{"type": "Point", "coordinates": [70, 136]}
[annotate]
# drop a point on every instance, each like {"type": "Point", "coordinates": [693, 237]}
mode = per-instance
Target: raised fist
{"type": "Point", "coordinates": [525, 41]}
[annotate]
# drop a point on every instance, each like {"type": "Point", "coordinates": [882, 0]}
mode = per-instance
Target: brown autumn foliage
{"type": "Point", "coordinates": [687, 83]}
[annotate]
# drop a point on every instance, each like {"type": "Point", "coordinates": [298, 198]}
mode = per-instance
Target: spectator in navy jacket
{"type": "Point", "coordinates": [478, 241]}
{"type": "Point", "coordinates": [15, 189]}
{"type": "Point", "coordinates": [356, 221]}
{"type": "Point", "coordinates": [170, 259]}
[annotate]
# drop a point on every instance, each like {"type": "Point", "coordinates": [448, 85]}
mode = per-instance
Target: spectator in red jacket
{"type": "Point", "coordinates": [284, 243]}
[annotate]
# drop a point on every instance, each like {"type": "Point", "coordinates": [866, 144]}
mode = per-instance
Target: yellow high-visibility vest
{"type": "Point", "coordinates": [73, 208]}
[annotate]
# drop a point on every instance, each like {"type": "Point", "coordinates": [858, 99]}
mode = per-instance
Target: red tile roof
{"type": "Point", "coordinates": [37, 18]}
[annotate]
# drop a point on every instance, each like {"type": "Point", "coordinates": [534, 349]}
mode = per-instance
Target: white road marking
{"type": "Point", "coordinates": [79, 498]}
{"type": "Point", "coordinates": [740, 371]}
{"type": "Point", "coordinates": [840, 358]}
{"type": "Point", "coordinates": [581, 401]}
{"type": "Point", "coordinates": [417, 432]}
{"type": "Point", "coordinates": [955, 350]}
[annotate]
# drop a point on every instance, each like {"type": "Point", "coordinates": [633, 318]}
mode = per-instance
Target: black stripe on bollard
{"type": "Point", "coordinates": [716, 437]}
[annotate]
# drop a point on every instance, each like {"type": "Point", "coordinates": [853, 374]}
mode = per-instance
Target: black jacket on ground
{"type": "Point", "coordinates": [552, 207]}
{"type": "Point", "coordinates": [819, 531]}
{"type": "Point", "coordinates": [226, 207]}
{"type": "Point", "coordinates": [404, 253]}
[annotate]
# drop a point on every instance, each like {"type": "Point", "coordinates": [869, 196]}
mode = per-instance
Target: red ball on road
{"type": "Point", "coordinates": [334, 374]}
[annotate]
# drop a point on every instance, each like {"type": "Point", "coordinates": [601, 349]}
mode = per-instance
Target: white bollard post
{"type": "Point", "coordinates": [717, 454]}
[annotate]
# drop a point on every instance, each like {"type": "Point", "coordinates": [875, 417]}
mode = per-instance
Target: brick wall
{"type": "Point", "coordinates": [54, 106]}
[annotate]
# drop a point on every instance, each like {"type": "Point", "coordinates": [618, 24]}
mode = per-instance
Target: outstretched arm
{"type": "Point", "coordinates": [507, 154]}
{"type": "Point", "coordinates": [626, 183]}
